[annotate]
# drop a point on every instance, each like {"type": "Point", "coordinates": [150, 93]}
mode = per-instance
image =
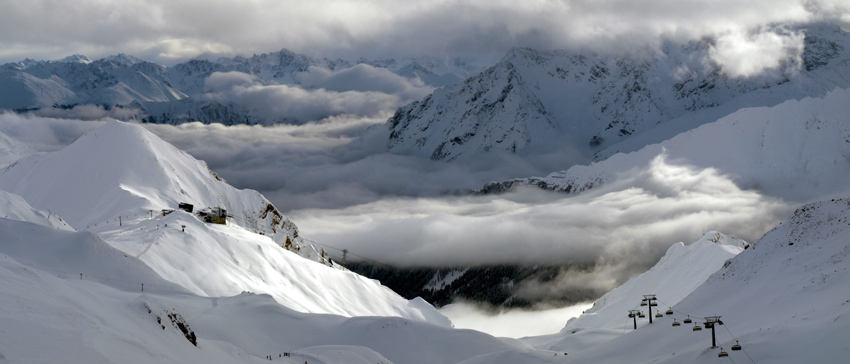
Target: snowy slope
{"type": "Point", "coordinates": [14, 207]}
{"type": "Point", "coordinates": [116, 179]}
{"type": "Point", "coordinates": [799, 150]}
{"type": "Point", "coordinates": [534, 101]}
{"type": "Point", "coordinates": [784, 300]}
{"type": "Point", "coordinates": [785, 303]}
{"type": "Point", "coordinates": [679, 272]}
{"type": "Point", "coordinates": [11, 150]}
{"type": "Point", "coordinates": [50, 313]}
{"type": "Point", "coordinates": [121, 169]}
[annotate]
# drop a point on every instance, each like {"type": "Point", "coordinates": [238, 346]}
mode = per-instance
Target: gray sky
{"type": "Point", "coordinates": [168, 31]}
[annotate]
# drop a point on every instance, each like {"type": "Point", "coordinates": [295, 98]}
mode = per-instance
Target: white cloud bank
{"type": "Point", "coordinates": [168, 31]}
{"type": "Point", "coordinates": [362, 91]}
{"type": "Point", "coordinates": [619, 229]}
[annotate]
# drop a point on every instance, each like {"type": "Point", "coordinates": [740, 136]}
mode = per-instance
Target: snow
{"type": "Point", "coordinates": [784, 303]}
{"type": "Point", "coordinates": [14, 207]}
{"type": "Point", "coordinates": [80, 294]}
{"type": "Point", "coordinates": [92, 272]}
{"type": "Point", "coordinates": [797, 150]}
{"type": "Point", "coordinates": [129, 175]}
{"type": "Point", "coordinates": [178, 94]}
{"type": "Point", "coordinates": [677, 274]}
{"type": "Point", "coordinates": [594, 105]}
{"type": "Point", "coordinates": [105, 317]}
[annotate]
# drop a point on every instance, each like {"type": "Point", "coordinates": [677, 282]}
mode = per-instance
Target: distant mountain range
{"type": "Point", "coordinates": [174, 94]}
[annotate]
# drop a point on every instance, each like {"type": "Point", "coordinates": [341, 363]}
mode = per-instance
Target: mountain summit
{"type": "Point", "coordinates": [535, 102]}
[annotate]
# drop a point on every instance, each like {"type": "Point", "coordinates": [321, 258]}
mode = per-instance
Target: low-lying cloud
{"type": "Point", "coordinates": [619, 229]}
{"type": "Point", "coordinates": [360, 91]}
{"type": "Point", "coordinates": [742, 54]}
{"type": "Point", "coordinates": [363, 77]}
{"type": "Point", "coordinates": [401, 210]}
{"type": "Point", "coordinates": [512, 323]}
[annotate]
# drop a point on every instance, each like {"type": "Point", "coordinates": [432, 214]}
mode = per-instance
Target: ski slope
{"type": "Point", "coordinates": [116, 180]}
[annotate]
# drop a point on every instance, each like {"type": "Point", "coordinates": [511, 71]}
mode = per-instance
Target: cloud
{"type": "Point", "coordinates": [512, 323]}
{"type": "Point", "coordinates": [359, 91]}
{"type": "Point", "coordinates": [88, 112]}
{"type": "Point", "coordinates": [317, 164]}
{"type": "Point", "coordinates": [168, 31]}
{"type": "Point", "coordinates": [402, 209]}
{"type": "Point", "coordinates": [33, 134]}
{"type": "Point", "coordinates": [748, 54]}
{"type": "Point", "coordinates": [614, 231]}
{"type": "Point", "coordinates": [363, 77]}
{"type": "Point", "coordinates": [224, 81]}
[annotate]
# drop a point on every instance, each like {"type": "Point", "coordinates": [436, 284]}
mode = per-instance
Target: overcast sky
{"type": "Point", "coordinates": [169, 31]}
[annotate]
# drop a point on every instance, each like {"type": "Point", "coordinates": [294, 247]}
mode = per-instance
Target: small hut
{"type": "Point", "coordinates": [186, 207]}
{"type": "Point", "coordinates": [217, 215]}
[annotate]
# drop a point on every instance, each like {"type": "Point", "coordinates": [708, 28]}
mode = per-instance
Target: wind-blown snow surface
{"type": "Point", "coordinates": [785, 300]}
{"type": "Point", "coordinates": [71, 297]}
{"type": "Point", "coordinates": [122, 170]}
{"type": "Point", "coordinates": [14, 207]}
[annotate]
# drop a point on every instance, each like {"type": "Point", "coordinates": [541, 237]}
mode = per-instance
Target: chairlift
{"type": "Point", "coordinates": [668, 312]}
{"type": "Point", "coordinates": [688, 320]}
{"type": "Point", "coordinates": [722, 353]}
{"type": "Point", "coordinates": [659, 315]}
{"type": "Point", "coordinates": [643, 303]}
{"type": "Point", "coordinates": [641, 315]}
{"type": "Point", "coordinates": [676, 323]}
{"type": "Point", "coordinates": [697, 328]}
{"type": "Point", "coordinates": [631, 315]}
{"type": "Point", "coordinates": [653, 304]}
{"type": "Point", "coordinates": [736, 347]}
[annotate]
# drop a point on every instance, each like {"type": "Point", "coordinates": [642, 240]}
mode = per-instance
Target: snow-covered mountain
{"type": "Point", "coordinates": [145, 290]}
{"type": "Point", "coordinates": [797, 150]}
{"type": "Point", "coordinates": [535, 102]}
{"type": "Point", "coordinates": [72, 297]}
{"type": "Point", "coordinates": [111, 81]}
{"type": "Point", "coordinates": [14, 207]}
{"type": "Point", "coordinates": [179, 94]}
{"type": "Point", "coordinates": [116, 181]}
{"type": "Point", "coordinates": [783, 300]}
{"type": "Point", "coordinates": [679, 272]}
{"type": "Point", "coordinates": [151, 288]}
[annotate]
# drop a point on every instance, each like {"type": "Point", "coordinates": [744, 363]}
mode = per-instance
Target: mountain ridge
{"type": "Point", "coordinates": [593, 102]}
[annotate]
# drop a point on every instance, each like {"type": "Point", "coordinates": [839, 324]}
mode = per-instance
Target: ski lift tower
{"type": "Point", "coordinates": [650, 301]}
{"type": "Point", "coordinates": [710, 322]}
